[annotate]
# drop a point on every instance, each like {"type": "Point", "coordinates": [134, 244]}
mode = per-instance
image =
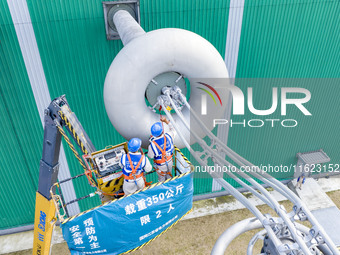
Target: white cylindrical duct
{"type": "Point", "coordinates": [151, 54]}
{"type": "Point", "coordinates": [127, 27]}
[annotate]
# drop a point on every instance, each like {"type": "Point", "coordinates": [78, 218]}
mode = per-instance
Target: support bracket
{"type": "Point", "coordinates": [110, 8]}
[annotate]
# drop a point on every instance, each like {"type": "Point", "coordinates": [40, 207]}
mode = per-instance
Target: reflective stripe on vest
{"type": "Point", "coordinates": [133, 175]}
{"type": "Point", "coordinates": [164, 158]}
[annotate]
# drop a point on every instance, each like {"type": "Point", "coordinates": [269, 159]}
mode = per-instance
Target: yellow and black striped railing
{"type": "Point", "coordinates": [76, 154]}
{"type": "Point", "coordinates": [136, 192]}
{"type": "Point", "coordinates": [73, 132]}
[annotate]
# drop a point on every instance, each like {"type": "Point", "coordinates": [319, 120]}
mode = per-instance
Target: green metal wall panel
{"type": "Point", "coordinates": [290, 39]}
{"type": "Point", "coordinates": [76, 56]}
{"type": "Point", "coordinates": [20, 131]}
{"type": "Point", "coordinates": [295, 39]}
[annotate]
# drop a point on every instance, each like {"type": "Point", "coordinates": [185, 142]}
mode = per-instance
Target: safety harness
{"type": "Point", "coordinates": [132, 175]}
{"type": "Point", "coordinates": [164, 158]}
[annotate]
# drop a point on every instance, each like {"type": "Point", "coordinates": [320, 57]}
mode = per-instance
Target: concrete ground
{"type": "Point", "coordinates": [211, 218]}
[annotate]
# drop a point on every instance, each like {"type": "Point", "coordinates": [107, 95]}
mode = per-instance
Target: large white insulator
{"type": "Point", "coordinates": [145, 57]}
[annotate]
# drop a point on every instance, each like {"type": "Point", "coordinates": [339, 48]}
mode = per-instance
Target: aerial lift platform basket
{"type": "Point", "coordinates": [104, 174]}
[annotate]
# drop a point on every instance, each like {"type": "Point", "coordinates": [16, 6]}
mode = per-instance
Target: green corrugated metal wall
{"type": "Point", "coordinates": [290, 39]}
{"type": "Point", "coordinates": [279, 39]}
{"type": "Point", "coordinates": [295, 39]}
{"type": "Point", "coordinates": [21, 131]}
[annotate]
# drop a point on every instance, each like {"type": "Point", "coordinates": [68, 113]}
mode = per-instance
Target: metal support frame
{"type": "Point", "coordinates": [44, 219]}
{"type": "Point", "coordinates": [57, 114]}
{"type": "Point", "coordinates": [246, 225]}
{"type": "Point", "coordinates": [49, 164]}
{"type": "Point", "coordinates": [234, 231]}
{"type": "Point", "coordinates": [274, 226]}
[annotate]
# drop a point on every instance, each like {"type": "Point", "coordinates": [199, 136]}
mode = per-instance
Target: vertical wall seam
{"type": "Point", "coordinates": [31, 56]}
{"type": "Point", "coordinates": [231, 56]}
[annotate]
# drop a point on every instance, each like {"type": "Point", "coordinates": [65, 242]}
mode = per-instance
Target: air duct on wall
{"type": "Point", "coordinates": [148, 55]}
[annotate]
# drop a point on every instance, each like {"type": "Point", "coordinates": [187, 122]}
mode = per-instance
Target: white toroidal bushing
{"type": "Point", "coordinates": [148, 55]}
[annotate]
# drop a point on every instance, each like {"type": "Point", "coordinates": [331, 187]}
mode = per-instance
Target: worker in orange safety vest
{"type": "Point", "coordinates": [161, 149]}
{"type": "Point", "coordinates": [134, 164]}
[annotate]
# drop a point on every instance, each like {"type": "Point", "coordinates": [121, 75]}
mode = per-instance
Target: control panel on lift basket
{"type": "Point", "coordinates": [108, 160]}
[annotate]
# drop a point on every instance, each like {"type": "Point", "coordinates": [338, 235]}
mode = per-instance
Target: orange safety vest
{"type": "Point", "coordinates": [132, 175]}
{"type": "Point", "coordinates": [164, 158]}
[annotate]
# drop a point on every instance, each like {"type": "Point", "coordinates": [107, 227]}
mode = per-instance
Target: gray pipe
{"type": "Point", "coordinates": [231, 233]}
{"type": "Point", "coordinates": [254, 240]}
{"type": "Point", "coordinates": [273, 203]}
{"type": "Point", "coordinates": [226, 185]}
{"type": "Point", "coordinates": [274, 183]}
{"type": "Point", "coordinates": [246, 225]}
{"type": "Point", "coordinates": [127, 27]}
{"type": "Point", "coordinates": [243, 184]}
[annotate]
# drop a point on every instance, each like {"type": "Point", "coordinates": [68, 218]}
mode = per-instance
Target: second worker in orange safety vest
{"type": "Point", "coordinates": [134, 163]}
{"type": "Point", "coordinates": [161, 149]}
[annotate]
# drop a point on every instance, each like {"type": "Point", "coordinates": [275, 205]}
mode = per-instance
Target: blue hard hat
{"type": "Point", "coordinates": [157, 129]}
{"type": "Point", "coordinates": [134, 144]}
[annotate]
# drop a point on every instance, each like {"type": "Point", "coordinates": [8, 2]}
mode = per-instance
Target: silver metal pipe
{"type": "Point", "coordinates": [127, 27]}
{"type": "Point", "coordinates": [269, 180]}
{"type": "Point", "coordinates": [323, 247]}
{"type": "Point", "coordinates": [254, 240]}
{"type": "Point", "coordinates": [243, 184]}
{"type": "Point", "coordinates": [232, 232]}
{"type": "Point", "coordinates": [233, 155]}
{"type": "Point", "coordinates": [227, 186]}
{"type": "Point", "coordinates": [243, 226]}
{"type": "Point", "coordinates": [299, 203]}
{"type": "Point", "coordinates": [311, 219]}
{"type": "Point", "coordinates": [272, 202]}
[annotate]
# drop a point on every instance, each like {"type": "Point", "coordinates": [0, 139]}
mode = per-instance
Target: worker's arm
{"type": "Point", "coordinates": [121, 162]}
{"type": "Point", "coordinates": [148, 166]}
{"type": "Point", "coordinates": [150, 152]}
{"type": "Point", "coordinates": [172, 131]}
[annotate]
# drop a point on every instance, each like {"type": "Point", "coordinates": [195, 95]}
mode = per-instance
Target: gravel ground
{"type": "Point", "coordinates": [197, 236]}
